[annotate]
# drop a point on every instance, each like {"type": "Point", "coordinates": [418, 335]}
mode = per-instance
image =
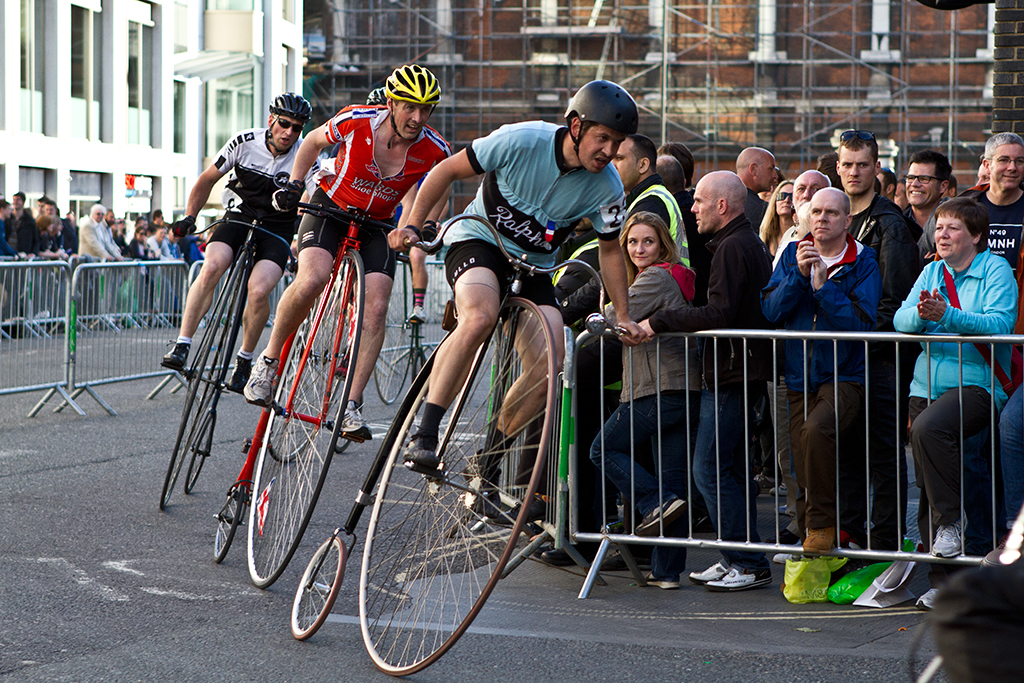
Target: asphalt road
{"type": "Point", "coordinates": [97, 585]}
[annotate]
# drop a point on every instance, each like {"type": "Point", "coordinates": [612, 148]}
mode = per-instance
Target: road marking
{"type": "Point", "coordinates": [16, 452]}
{"type": "Point", "coordinates": [82, 579]}
{"type": "Point", "coordinates": [152, 590]}
{"type": "Point", "coordinates": [122, 566]}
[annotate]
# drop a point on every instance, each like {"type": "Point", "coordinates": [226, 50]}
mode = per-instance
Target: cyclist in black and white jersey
{"type": "Point", "coordinates": [256, 161]}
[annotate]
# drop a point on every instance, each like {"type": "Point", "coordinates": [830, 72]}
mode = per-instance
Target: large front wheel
{"type": "Point", "coordinates": [312, 393]}
{"type": "Point", "coordinates": [205, 379]}
{"type": "Point", "coordinates": [436, 545]}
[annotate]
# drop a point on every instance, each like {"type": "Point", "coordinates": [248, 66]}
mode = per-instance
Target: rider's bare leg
{"type": "Point", "coordinates": [217, 260]}
{"type": "Point", "coordinates": [375, 311]}
{"type": "Point", "coordinates": [264, 277]}
{"type": "Point", "coordinates": [315, 266]}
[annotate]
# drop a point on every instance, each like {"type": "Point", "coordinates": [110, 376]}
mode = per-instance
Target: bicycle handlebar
{"type": "Point", "coordinates": [595, 324]}
{"type": "Point", "coordinates": [349, 216]}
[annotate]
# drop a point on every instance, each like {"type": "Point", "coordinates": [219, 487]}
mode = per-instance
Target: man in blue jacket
{"type": "Point", "coordinates": [826, 281]}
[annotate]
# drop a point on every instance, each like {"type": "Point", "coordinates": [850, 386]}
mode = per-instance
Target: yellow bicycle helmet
{"type": "Point", "coordinates": [413, 83]}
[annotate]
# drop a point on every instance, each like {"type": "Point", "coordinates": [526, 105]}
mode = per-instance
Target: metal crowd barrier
{"type": "Point", "coordinates": [121, 318]}
{"type": "Point", "coordinates": [34, 299]}
{"type": "Point", "coordinates": [976, 502]}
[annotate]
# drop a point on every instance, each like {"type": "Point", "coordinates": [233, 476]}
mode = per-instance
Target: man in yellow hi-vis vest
{"type": "Point", "coordinates": [636, 162]}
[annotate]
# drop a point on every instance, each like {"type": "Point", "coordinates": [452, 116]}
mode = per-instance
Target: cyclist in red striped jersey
{"type": "Point", "coordinates": [384, 152]}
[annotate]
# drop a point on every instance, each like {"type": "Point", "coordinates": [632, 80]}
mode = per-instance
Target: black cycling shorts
{"type": "Point", "coordinates": [327, 233]}
{"type": "Point", "coordinates": [463, 256]}
{"type": "Point", "coordinates": [268, 247]}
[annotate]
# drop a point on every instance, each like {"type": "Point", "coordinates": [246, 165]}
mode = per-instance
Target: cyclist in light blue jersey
{"type": "Point", "coordinates": [540, 180]}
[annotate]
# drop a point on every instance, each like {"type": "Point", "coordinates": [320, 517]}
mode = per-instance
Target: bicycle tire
{"type": "Point", "coordinates": [318, 588]}
{"type": "Point", "coordinates": [431, 558]}
{"type": "Point", "coordinates": [229, 519]}
{"type": "Point", "coordinates": [392, 367]}
{"type": "Point", "coordinates": [297, 452]}
{"type": "Point", "coordinates": [206, 373]}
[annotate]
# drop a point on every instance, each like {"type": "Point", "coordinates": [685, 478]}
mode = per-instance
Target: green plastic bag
{"type": "Point", "coordinates": [847, 589]}
{"type": "Point", "coordinates": [807, 580]}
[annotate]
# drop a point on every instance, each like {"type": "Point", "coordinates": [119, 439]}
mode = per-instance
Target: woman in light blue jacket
{"type": "Point", "coordinates": [984, 287]}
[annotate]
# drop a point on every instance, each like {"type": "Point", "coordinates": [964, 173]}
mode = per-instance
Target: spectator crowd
{"type": "Point", "coordinates": [98, 236]}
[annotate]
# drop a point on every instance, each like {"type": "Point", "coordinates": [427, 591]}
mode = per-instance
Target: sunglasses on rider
{"type": "Point", "coordinates": [288, 125]}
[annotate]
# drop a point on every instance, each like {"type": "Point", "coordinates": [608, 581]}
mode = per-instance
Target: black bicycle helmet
{"type": "Point", "coordinates": [377, 97]}
{"type": "Point", "coordinates": [291, 105]}
{"type": "Point", "coordinates": [606, 103]}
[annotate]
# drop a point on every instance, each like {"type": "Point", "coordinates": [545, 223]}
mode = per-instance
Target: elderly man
{"type": "Point", "coordinates": [740, 268]}
{"type": "Point", "coordinates": [826, 281]}
{"type": "Point", "coordinates": [804, 187]}
{"type": "Point", "coordinates": [94, 236]}
{"type": "Point", "coordinates": [756, 168]}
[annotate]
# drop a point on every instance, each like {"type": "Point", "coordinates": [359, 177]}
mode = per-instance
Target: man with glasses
{"type": "Point", "coordinates": [1002, 196]}
{"type": "Point", "coordinates": [879, 224]}
{"type": "Point", "coordinates": [255, 159]}
{"type": "Point", "coordinates": [927, 180]}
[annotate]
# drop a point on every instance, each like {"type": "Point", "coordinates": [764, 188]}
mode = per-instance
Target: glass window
{"type": "Point", "coordinates": [140, 82]}
{"type": "Point", "coordinates": [33, 34]}
{"type": "Point", "coordinates": [242, 5]}
{"type": "Point", "coordinates": [85, 73]}
{"type": "Point", "coordinates": [229, 108]}
{"type": "Point", "coordinates": [179, 117]}
{"type": "Point", "coordinates": [180, 27]}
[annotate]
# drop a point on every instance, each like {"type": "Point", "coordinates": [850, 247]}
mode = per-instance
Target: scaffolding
{"type": "Point", "coordinates": [716, 75]}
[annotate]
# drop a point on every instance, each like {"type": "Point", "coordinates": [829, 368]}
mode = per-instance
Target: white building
{"type": "Point", "coordinates": [125, 101]}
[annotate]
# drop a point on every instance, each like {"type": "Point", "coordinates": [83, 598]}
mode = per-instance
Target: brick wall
{"type": "Point", "coordinates": [1008, 70]}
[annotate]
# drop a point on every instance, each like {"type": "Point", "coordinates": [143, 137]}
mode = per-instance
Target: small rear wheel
{"type": "Point", "coordinates": [229, 519]}
{"type": "Point", "coordinates": [318, 588]}
{"type": "Point", "coordinates": [438, 543]}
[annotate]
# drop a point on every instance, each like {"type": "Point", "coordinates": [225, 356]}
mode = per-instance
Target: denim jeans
{"type": "Point", "coordinates": [722, 474]}
{"type": "Point", "coordinates": [621, 435]}
{"type": "Point", "coordinates": [1011, 454]}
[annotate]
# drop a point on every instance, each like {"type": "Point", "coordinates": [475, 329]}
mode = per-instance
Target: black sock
{"type": "Point", "coordinates": [430, 423]}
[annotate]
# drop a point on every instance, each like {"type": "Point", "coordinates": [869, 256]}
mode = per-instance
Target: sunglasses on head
{"type": "Point", "coordinates": [848, 135]}
{"type": "Point", "coordinates": [288, 125]}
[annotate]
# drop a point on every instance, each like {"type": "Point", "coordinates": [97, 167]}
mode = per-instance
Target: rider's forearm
{"type": "Point", "coordinates": [200, 193]}
{"type": "Point", "coordinates": [437, 185]}
{"type": "Point", "coordinates": [613, 272]}
{"type": "Point", "coordinates": [309, 150]}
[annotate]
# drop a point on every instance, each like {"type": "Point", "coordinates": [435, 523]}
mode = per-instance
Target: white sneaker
{"type": "Point", "coordinates": [926, 602]}
{"type": "Point", "coordinates": [740, 580]}
{"type": "Point", "coordinates": [663, 584]}
{"type": "Point", "coordinates": [782, 558]}
{"type": "Point", "coordinates": [712, 573]}
{"type": "Point", "coordinates": [259, 390]}
{"type": "Point", "coordinates": [949, 540]}
{"type": "Point", "coordinates": [418, 315]}
{"type": "Point", "coordinates": [353, 426]}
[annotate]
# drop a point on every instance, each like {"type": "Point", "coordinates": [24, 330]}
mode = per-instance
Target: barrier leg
{"type": "Point", "coordinates": [163, 383]}
{"type": "Point", "coordinates": [530, 549]}
{"type": "Point", "coordinates": [595, 570]}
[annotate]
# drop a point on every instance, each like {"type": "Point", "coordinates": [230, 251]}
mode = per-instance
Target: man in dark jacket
{"type": "Point", "coordinates": [879, 224]}
{"type": "Point", "coordinates": [740, 269]}
{"type": "Point", "coordinates": [826, 281]}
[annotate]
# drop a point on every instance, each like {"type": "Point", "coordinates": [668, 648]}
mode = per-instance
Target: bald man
{"type": "Point", "coordinates": [740, 268]}
{"type": "Point", "coordinates": [755, 166]}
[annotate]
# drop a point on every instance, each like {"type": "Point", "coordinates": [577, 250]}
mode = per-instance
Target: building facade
{"type": "Point", "coordinates": [123, 102]}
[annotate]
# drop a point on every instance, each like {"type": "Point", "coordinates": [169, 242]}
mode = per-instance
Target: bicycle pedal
{"type": "Point", "coordinates": [426, 471]}
{"type": "Point", "coordinates": [246, 445]}
{"type": "Point", "coordinates": [353, 436]}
